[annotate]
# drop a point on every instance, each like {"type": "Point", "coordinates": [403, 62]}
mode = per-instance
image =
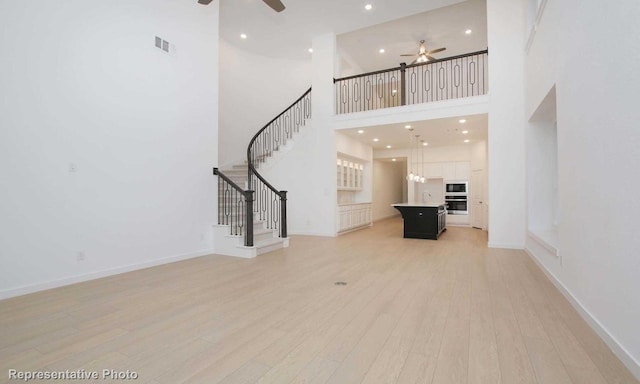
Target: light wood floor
{"type": "Point", "coordinates": [413, 311]}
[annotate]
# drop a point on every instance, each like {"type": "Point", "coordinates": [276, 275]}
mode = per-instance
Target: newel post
{"type": "Point", "coordinates": [248, 240]}
{"type": "Point", "coordinates": [283, 213]}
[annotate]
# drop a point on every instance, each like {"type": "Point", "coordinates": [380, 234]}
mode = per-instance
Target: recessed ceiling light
{"type": "Point", "coordinates": [368, 7]}
{"type": "Point", "coordinates": [468, 31]}
{"type": "Point", "coordinates": [310, 50]}
{"type": "Point", "coordinates": [393, 159]}
{"type": "Point", "coordinates": [243, 35]}
{"type": "Point", "coordinates": [462, 121]}
{"type": "Point", "coordinates": [361, 131]}
{"type": "Point", "coordinates": [407, 127]}
{"type": "Point", "coordinates": [376, 139]}
{"type": "Point", "coordinates": [425, 143]}
{"type": "Point", "coordinates": [395, 91]}
{"type": "Point", "coordinates": [388, 146]}
{"type": "Point", "coordinates": [466, 141]}
{"type": "Point", "coordinates": [381, 50]}
{"type": "Point", "coordinates": [465, 132]}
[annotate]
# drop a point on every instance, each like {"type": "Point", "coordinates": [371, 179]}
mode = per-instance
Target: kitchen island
{"type": "Point", "coordinates": [423, 220]}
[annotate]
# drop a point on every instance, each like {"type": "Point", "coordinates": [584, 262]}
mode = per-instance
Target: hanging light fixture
{"type": "Point", "coordinates": [418, 178]}
{"type": "Point", "coordinates": [412, 176]}
{"type": "Point", "coordinates": [422, 179]}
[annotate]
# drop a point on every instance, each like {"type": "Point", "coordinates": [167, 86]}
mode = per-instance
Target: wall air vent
{"type": "Point", "coordinates": [163, 44]}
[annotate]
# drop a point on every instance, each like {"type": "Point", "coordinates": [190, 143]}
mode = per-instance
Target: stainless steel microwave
{"type": "Point", "coordinates": [456, 187]}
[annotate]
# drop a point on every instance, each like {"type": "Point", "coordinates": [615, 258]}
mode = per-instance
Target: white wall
{"type": "Point", "coordinates": [83, 84]}
{"type": "Point", "coordinates": [506, 123]}
{"type": "Point", "coordinates": [598, 156]}
{"type": "Point", "coordinates": [431, 191]}
{"type": "Point", "coordinates": [255, 89]}
{"type": "Point", "coordinates": [308, 169]}
{"type": "Point", "coordinates": [388, 181]}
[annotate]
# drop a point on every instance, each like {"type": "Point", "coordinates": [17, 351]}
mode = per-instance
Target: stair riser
{"type": "Point", "coordinates": [263, 236]}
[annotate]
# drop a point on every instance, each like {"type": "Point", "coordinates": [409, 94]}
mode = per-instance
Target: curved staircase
{"type": "Point", "coordinates": [252, 213]}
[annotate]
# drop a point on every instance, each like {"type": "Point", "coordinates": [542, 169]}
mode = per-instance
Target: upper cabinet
{"type": "Point", "coordinates": [449, 171]}
{"type": "Point", "coordinates": [463, 171]}
{"type": "Point", "coordinates": [459, 170]}
{"type": "Point", "coordinates": [349, 174]}
{"type": "Point", "coordinates": [433, 170]}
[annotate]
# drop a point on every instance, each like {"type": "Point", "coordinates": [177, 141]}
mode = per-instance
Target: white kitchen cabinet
{"type": "Point", "coordinates": [462, 171]}
{"type": "Point", "coordinates": [432, 170]}
{"type": "Point", "coordinates": [349, 174]}
{"type": "Point", "coordinates": [351, 216]}
{"type": "Point", "coordinates": [449, 171]}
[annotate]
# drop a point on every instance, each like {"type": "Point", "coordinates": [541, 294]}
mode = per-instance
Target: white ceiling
{"type": "Point", "coordinates": [438, 132]}
{"type": "Point", "coordinates": [395, 25]}
{"type": "Point", "coordinates": [443, 27]}
{"type": "Point", "coordinates": [288, 35]}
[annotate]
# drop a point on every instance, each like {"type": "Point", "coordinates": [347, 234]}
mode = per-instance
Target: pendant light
{"type": "Point", "coordinates": [411, 176]}
{"type": "Point", "coordinates": [422, 179]}
{"type": "Point", "coordinates": [418, 178]}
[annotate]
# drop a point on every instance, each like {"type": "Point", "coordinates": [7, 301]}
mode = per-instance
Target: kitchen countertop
{"type": "Point", "coordinates": [430, 204]}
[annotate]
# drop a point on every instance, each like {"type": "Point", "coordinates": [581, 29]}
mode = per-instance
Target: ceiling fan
{"type": "Point", "coordinates": [276, 5]}
{"type": "Point", "coordinates": [423, 54]}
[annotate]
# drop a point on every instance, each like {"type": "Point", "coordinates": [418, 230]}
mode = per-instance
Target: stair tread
{"type": "Point", "coordinates": [262, 231]}
{"type": "Point", "coordinates": [268, 242]}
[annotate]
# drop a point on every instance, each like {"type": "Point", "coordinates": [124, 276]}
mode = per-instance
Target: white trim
{"type": "Point", "coordinates": [473, 105]}
{"type": "Point", "coordinates": [363, 226]}
{"type": "Point", "coordinates": [302, 233]}
{"type": "Point", "coordinates": [534, 28]}
{"type": "Point", "coordinates": [615, 346]}
{"type": "Point", "coordinates": [541, 8]}
{"type": "Point", "coordinates": [544, 242]}
{"type": "Point", "coordinates": [532, 35]}
{"type": "Point", "coordinates": [505, 245]}
{"type": "Point", "coordinates": [26, 289]}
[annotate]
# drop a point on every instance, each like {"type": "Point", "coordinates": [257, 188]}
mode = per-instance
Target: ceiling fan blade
{"type": "Point", "coordinates": [204, 2]}
{"type": "Point", "coordinates": [435, 51]}
{"type": "Point", "coordinates": [431, 58]}
{"type": "Point", "coordinates": [414, 61]}
{"type": "Point", "coordinates": [409, 54]}
{"type": "Point", "coordinates": [276, 5]}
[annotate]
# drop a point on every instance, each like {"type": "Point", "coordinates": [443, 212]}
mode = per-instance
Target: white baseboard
{"type": "Point", "coordinates": [632, 364]}
{"type": "Point", "coordinates": [354, 229]}
{"type": "Point", "coordinates": [31, 288]}
{"type": "Point", "coordinates": [506, 245]}
{"type": "Point", "coordinates": [303, 233]}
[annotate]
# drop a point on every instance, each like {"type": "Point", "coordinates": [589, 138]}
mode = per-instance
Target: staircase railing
{"type": "Point", "coordinates": [449, 78]}
{"type": "Point", "coordinates": [270, 203]}
{"type": "Point", "coordinates": [235, 207]}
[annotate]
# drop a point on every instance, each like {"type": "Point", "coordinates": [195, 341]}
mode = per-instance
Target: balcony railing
{"type": "Point", "coordinates": [444, 79]}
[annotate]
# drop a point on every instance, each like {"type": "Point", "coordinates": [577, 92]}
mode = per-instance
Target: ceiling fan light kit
{"type": "Point", "coordinates": [423, 55]}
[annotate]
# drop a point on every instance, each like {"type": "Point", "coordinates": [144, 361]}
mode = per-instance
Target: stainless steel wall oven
{"type": "Point", "coordinates": [456, 204]}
